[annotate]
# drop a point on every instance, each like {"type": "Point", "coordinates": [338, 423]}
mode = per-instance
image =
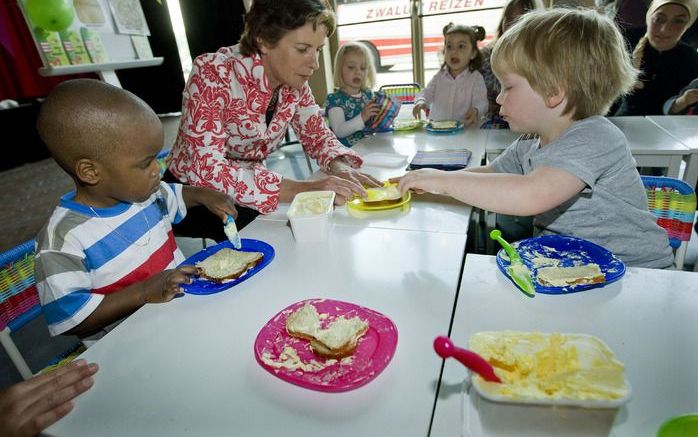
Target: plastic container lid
{"type": "Point", "coordinates": [679, 426]}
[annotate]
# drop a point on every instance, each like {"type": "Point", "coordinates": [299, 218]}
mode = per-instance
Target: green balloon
{"type": "Point", "coordinates": [53, 15]}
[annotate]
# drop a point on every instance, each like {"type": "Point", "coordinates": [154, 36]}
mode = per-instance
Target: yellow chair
{"type": "Point", "coordinates": [673, 202]}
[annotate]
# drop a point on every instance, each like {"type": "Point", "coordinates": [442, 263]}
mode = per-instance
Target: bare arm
{"type": "Point", "coordinates": [345, 181]}
{"type": "Point", "coordinates": [216, 202]}
{"type": "Point", "coordinates": [523, 195]}
{"type": "Point", "coordinates": [159, 288]}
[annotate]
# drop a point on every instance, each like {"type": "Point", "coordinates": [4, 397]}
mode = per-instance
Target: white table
{"type": "Point", "coordinates": [187, 368]}
{"type": "Point", "coordinates": [650, 145]}
{"type": "Point", "coordinates": [427, 213]}
{"type": "Point", "coordinates": [648, 319]}
{"type": "Point", "coordinates": [497, 141]}
{"type": "Point", "coordinates": [685, 129]}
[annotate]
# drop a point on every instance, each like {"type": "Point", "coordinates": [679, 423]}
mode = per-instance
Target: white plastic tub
{"type": "Point", "coordinates": [310, 214]}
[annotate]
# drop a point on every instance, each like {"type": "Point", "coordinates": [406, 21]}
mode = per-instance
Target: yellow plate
{"type": "Point", "coordinates": [379, 206]}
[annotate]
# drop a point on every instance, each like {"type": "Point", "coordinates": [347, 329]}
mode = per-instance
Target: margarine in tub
{"type": "Point", "coordinates": [557, 369]}
{"type": "Point", "coordinates": [310, 214]}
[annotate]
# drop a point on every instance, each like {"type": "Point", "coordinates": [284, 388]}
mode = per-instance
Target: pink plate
{"type": "Point", "coordinates": [373, 353]}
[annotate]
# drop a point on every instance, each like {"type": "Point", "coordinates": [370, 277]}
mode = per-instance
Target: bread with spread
{"type": "Point", "coordinates": [564, 276]}
{"type": "Point", "coordinates": [227, 264]}
{"type": "Point", "coordinates": [338, 339]}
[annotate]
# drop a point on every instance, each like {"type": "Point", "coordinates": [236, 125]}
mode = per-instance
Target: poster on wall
{"type": "Point", "coordinates": [129, 17]}
{"type": "Point", "coordinates": [92, 14]}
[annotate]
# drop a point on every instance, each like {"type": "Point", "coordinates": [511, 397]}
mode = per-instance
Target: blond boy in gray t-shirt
{"type": "Point", "coordinates": [559, 71]}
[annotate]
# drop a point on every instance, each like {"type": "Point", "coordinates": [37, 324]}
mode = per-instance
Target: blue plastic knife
{"type": "Point", "coordinates": [231, 231]}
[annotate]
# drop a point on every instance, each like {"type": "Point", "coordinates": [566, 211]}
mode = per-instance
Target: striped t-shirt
{"type": "Point", "coordinates": [84, 253]}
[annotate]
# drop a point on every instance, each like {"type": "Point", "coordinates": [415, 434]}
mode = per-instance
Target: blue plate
{"type": "Point", "coordinates": [570, 251]}
{"type": "Point", "coordinates": [204, 286]}
{"type": "Point", "coordinates": [432, 130]}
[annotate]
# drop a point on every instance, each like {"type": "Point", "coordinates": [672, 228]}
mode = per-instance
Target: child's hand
{"type": "Point", "coordinates": [166, 285]}
{"type": "Point", "coordinates": [417, 110]}
{"type": "Point", "coordinates": [471, 116]}
{"type": "Point", "coordinates": [218, 203]}
{"type": "Point", "coordinates": [420, 181]}
{"type": "Point", "coordinates": [370, 110]}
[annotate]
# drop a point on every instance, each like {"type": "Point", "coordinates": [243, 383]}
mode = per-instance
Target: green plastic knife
{"type": "Point", "coordinates": [517, 269]}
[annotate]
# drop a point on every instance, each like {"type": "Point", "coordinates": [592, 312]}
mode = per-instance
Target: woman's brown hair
{"type": "Point", "coordinates": [270, 20]}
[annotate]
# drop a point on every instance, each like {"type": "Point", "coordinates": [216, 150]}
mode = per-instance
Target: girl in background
{"type": "Point", "coordinates": [349, 108]}
{"type": "Point", "coordinates": [457, 91]}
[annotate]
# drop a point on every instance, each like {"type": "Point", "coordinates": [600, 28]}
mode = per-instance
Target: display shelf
{"type": "Point", "coordinates": [96, 68]}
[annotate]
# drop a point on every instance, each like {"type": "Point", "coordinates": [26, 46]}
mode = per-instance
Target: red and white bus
{"type": "Point", "coordinates": [384, 25]}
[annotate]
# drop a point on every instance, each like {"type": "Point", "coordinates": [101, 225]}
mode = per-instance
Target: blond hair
{"type": "Point", "coordinates": [346, 49]}
{"type": "Point", "coordinates": [579, 52]}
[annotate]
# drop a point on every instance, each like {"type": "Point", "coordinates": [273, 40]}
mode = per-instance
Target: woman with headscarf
{"type": "Point", "coordinates": [666, 64]}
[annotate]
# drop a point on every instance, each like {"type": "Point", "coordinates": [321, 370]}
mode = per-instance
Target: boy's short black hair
{"type": "Point", "coordinates": [87, 118]}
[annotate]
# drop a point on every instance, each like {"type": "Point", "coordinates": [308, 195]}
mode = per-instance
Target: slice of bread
{"type": "Point", "coordinates": [228, 264]}
{"type": "Point", "coordinates": [304, 322]}
{"type": "Point", "coordinates": [448, 124]}
{"type": "Point", "coordinates": [380, 194]}
{"type": "Point", "coordinates": [564, 276]}
{"type": "Point", "coordinates": [338, 340]}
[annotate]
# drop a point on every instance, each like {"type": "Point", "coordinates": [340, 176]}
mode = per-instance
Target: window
{"type": "Point", "coordinates": [399, 31]}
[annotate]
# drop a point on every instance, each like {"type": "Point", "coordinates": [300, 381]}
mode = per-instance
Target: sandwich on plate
{"type": "Point", "coordinates": [338, 339]}
{"type": "Point", "coordinates": [228, 264]}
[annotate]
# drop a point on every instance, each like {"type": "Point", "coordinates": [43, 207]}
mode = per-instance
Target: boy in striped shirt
{"type": "Point", "coordinates": [108, 247]}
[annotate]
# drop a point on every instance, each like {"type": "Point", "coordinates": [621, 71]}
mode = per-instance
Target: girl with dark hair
{"type": "Point", "coordinates": [457, 91]}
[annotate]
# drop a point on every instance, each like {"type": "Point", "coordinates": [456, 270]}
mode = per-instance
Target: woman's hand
{"type": "Point", "coordinates": [417, 110]}
{"type": "Point", "coordinates": [165, 286]}
{"type": "Point", "coordinates": [344, 189]}
{"type": "Point", "coordinates": [471, 116]}
{"type": "Point", "coordinates": [218, 203]}
{"type": "Point", "coordinates": [685, 100]}
{"type": "Point", "coordinates": [31, 406]}
{"type": "Point", "coordinates": [370, 110]}
{"type": "Point", "coordinates": [341, 169]}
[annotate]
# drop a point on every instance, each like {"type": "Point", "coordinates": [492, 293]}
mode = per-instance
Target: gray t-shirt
{"type": "Point", "coordinates": [612, 209]}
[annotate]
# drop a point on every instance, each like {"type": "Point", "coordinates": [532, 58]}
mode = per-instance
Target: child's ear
{"type": "Point", "coordinates": [555, 99]}
{"type": "Point", "coordinates": [87, 171]}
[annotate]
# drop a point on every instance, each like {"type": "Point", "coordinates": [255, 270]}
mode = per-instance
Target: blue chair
{"type": "Point", "coordinates": [19, 304]}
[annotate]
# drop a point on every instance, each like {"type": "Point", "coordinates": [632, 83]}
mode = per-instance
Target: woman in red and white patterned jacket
{"type": "Point", "coordinates": [239, 103]}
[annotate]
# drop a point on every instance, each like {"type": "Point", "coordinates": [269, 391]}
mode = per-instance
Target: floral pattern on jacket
{"type": "Point", "coordinates": [223, 138]}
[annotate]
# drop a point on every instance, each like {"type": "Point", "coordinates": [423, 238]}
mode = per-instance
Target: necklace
{"type": "Point", "coordinates": [129, 241]}
{"type": "Point", "coordinates": [274, 99]}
